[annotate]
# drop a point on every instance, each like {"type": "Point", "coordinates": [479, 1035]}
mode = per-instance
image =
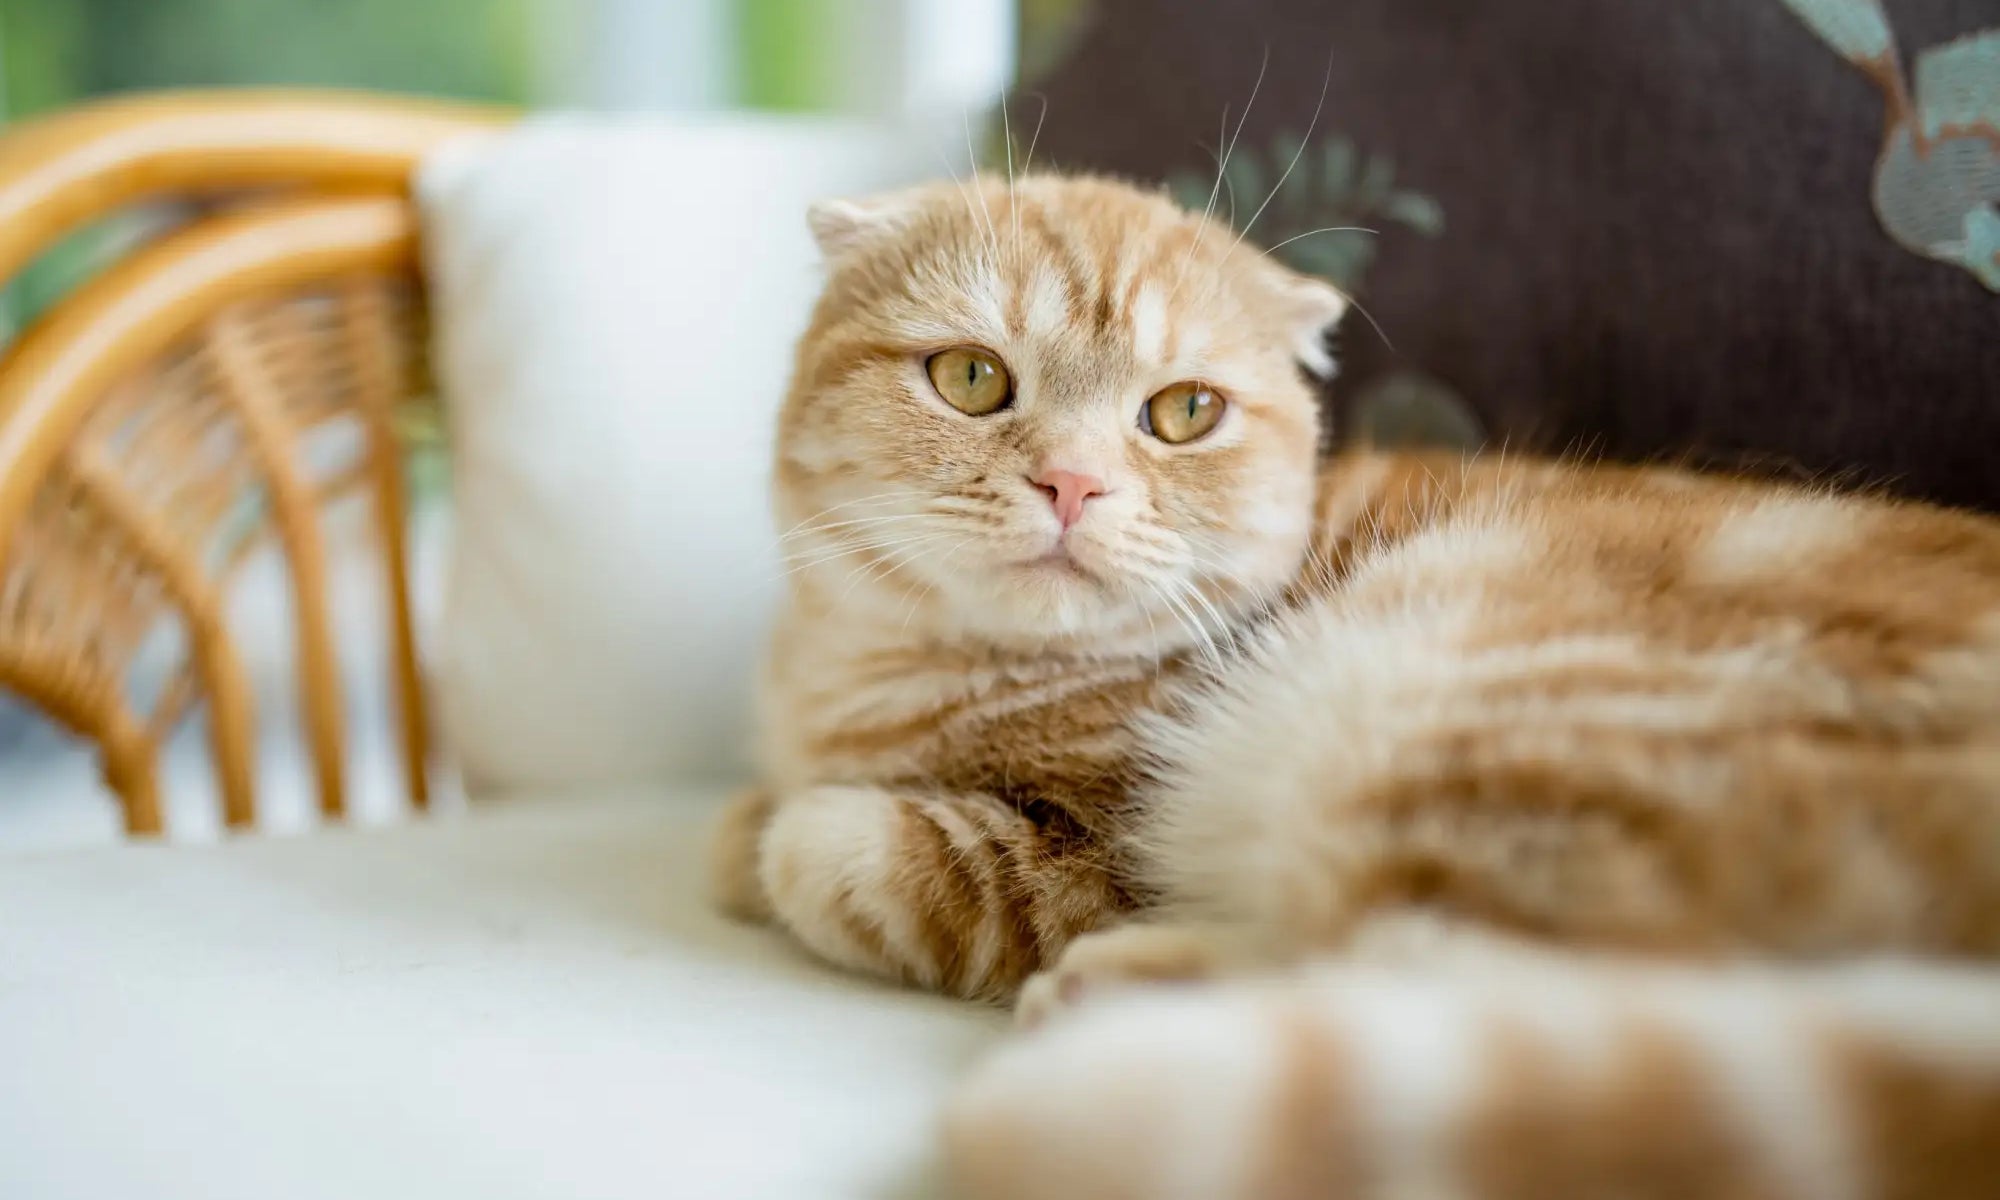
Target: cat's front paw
{"type": "Point", "coordinates": [1127, 956]}
{"type": "Point", "coordinates": [733, 882]}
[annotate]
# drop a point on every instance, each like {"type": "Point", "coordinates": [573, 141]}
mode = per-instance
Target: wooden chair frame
{"type": "Point", "coordinates": [154, 421]}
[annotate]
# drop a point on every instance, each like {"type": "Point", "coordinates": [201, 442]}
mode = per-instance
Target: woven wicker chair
{"type": "Point", "coordinates": [154, 421]}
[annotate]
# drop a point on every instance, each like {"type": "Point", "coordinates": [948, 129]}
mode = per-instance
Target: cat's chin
{"type": "Point", "coordinates": [1058, 566]}
{"type": "Point", "coordinates": [1036, 602]}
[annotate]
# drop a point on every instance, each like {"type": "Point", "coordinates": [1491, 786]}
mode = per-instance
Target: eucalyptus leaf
{"type": "Point", "coordinates": [1334, 185]}
{"type": "Point", "coordinates": [1417, 211]}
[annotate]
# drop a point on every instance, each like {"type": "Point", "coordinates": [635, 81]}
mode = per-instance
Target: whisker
{"type": "Point", "coordinates": [944, 158]}
{"type": "Point", "coordinates": [861, 521]}
{"type": "Point", "coordinates": [1221, 168]}
{"type": "Point", "coordinates": [1365, 314]}
{"type": "Point", "coordinates": [877, 498]}
{"type": "Point", "coordinates": [1174, 611]}
{"type": "Point", "coordinates": [1013, 206]}
{"type": "Point", "coordinates": [992, 232]}
{"type": "Point", "coordinates": [862, 546]}
{"type": "Point", "coordinates": [1223, 632]}
{"type": "Point", "coordinates": [1029, 164]}
{"type": "Point", "coordinates": [1223, 626]}
{"type": "Point", "coordinates": [1324, 229]}
{"type": "Point", "coordinates": [1343, 292]}
{"type": "Point", "coordinates": [887, 564]}
{"type": "Point", "coordinates": [1326, 81]}
{"type": "Point", "coordinates": [1208, 650]}
{"type": "Point", "coordinates": [822, 555]}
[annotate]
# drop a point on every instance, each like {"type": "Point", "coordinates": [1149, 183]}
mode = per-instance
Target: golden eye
{"type": "Point", "coordinates": [1182, 412]}
{"type": "Point", "coordinates": [971, 381]}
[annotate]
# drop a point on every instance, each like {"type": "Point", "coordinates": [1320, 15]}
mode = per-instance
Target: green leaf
{"type": "Point", "coordinates": [1343, 258]}
{"type": "Point", "coordinates": [1417, 211]}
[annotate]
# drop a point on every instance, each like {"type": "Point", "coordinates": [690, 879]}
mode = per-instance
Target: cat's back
{"type": "Point", "coordinates": [1706, 691]}
{"type": "Point", "coordinates": [1669, 562]}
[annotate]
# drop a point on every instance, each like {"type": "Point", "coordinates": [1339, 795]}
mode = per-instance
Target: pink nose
{"type": "Point", "coordinates": [1067, 490]}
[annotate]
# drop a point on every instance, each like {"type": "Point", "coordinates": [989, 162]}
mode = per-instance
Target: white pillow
{"type": "Point", "coordinates": [615, 301]}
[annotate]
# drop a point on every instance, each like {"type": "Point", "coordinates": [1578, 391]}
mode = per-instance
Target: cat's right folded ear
{"type": "Point", "coordinates": [1314, 306]}
{"type": "Point", "coordinates": [841, 226]}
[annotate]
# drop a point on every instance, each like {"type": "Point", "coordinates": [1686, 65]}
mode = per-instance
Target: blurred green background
{"type": "Point", "coordinates": [663, 54]}
{"type": "Point", "coordinates": [54, 52]}
{"type": "Point", "coordinates": [57, 51]}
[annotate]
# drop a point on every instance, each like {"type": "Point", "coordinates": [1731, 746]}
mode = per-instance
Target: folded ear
{"type": "Point", "coordinates": [1312, 307]}
{"type": "Point", "coordinates": [843, 225]}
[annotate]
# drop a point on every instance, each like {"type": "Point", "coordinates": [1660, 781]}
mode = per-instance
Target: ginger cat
{"type": "Point", "coordinates": [1513, 828]}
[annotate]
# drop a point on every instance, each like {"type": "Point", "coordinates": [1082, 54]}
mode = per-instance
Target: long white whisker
{"type": "Point", "coordinates": [1222, 625]}
{"type": "Point", "coordinates": [1326, 81]}
{"type": "Point", "coordinates": [884, 566]}
{"type": "Point", "coordinates": [1221, 168]}
{"type": "Point", "coordinates": [877, 498]}
{"type": "Point", "coordinates": [1013, 206]}
{"type": "Point", "coordinates": [848, 524]}
{"type": "Point", "coordinates": [1175, 611]}
{"type": "Point", "coordinates": [1208, 651]}
{"type": "Point", "coordinates": [1367, 316]}
{"type": "Point", "coordinates": [1029, 163]}
{"type": "Point", "coordinates": [963, 194]}
{"type": "Point", "coordinates": [850, 547]}
{"type": "Point", "coordinates": [1325, 229]}
{"type": "Point", "coordinates": [819, 557]}
{"type": "Point", "coordinates": [992, 232]}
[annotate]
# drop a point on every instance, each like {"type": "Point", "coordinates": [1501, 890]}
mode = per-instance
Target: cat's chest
{"type": "Point", "coordinates": [958, 719]}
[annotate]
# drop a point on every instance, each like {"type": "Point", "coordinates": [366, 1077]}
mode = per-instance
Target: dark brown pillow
{"type": "Point", "coordinates": [1646, 230]}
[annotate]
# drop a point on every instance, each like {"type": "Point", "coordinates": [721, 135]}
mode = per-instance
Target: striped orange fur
{"type": "Point", "coordinates": [1512, 828]}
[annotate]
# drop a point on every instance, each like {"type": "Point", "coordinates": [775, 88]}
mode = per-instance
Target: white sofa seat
{"type": "Point", "coordinates": [528, 1000]}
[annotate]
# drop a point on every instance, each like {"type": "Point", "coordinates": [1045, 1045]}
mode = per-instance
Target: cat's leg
{"type": "Point", "coordinates": [961, 893]}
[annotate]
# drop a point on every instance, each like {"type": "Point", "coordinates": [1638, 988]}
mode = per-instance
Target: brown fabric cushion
{"type": "Point", "coordinates": [1657, 235]}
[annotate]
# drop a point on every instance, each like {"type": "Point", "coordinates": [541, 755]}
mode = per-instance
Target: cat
{"type": "Point", "coordinates": [1355, 823]}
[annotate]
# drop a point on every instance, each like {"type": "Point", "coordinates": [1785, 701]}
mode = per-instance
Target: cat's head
{"type": "Point", "coordinates": [1060, 409]}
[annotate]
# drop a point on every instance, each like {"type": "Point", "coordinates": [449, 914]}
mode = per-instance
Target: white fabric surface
{"type": "Point", "coordinates": [616, 304]}
{"type": "Point", "coordinates": [529, 1000]}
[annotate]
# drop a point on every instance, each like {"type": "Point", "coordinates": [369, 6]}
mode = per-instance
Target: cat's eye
{"type": "Point", "coordinates": [971, 381]}
{"type": "Point", "coordinates": [1182, 412]}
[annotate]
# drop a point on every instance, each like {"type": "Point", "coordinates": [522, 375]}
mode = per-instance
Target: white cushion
{"type": "Point", "coordinates": [615, 303]}
{"type": "Point", "coordinates": [530, 1000]}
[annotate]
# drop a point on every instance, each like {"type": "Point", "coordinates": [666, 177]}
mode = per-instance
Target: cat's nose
{"type": "Point", "coordinates": [1067, 490]}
